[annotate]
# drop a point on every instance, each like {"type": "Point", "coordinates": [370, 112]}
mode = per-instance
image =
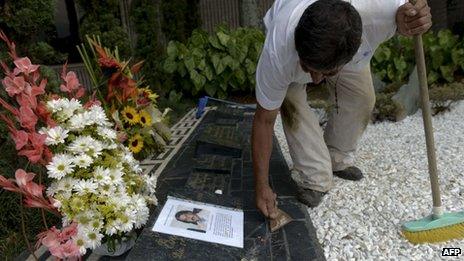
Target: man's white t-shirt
{"type": "Point", "coordinates": [279, 65]}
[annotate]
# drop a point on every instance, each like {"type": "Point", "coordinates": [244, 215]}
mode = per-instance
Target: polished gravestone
{"type": "Point", "coordinates": [218, 157]}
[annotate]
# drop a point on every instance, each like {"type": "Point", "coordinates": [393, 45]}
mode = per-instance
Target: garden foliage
{"type": "Point", "coordinates": [394, 60]}
{"type": "Point", "coordinates": [102, 18]}
{"type": "Point", "coordinates": [31, 22]}
{"type": "Point", "coordinates": [217, 64]}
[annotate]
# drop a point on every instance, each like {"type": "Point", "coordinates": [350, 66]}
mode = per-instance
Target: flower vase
{"type": "Point", "coordinates": [121, 247]}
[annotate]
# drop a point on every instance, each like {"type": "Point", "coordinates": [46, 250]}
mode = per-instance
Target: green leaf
{"type": "Point", "coordinates": [240, 76]}
{"type": "Point", "coordinates": [223, 38]}
{"type": "Point", "coordinates": [457, 55]}
{"type": "Point", "coordinates": [189, 63]}
{"type": "Point", "coordinates": [170, 66]}
{"type": "Point", "coordinates": [447, 72]}
{"type": "Point", "coordinates": [172, 49]}
{"type": "Point", "coordinates": [250, 66]}
{"type": "Point", "coordinates": [210, 89]}
{"type": "Point", "coordinates": [208, 72]}
{"type": "Point", "coordinates": [198, 80]}
{"type": "Point", "coordinates": [214, 41]}
{"type": "Point", "coordinates": [446, 39]}
{"type": "Point", "coordinates": [223, 86]}
{"type": "Point", "coordinates": [432, 77]}
{"type": "Point", "coordinates": [437, 58]}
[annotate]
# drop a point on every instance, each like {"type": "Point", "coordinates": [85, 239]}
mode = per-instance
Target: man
{"type": "Point", "coordinates": [310, 41]}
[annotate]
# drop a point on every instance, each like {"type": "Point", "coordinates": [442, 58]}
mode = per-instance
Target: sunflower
{"type": "Point", "coordinates": [136, 143]}
{"type": "Point", "coordinates": [130, 115]}
{"type": "Point", "coordinates": [144, 118]}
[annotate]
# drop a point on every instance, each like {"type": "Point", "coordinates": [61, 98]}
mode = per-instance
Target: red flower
{"type": "Point", "coordinates": [107, 62]}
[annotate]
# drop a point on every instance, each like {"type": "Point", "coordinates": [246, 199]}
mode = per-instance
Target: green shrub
{"type": "Point", "coordinates": [30, 23]}
{"type": "Point", "coordinates": [180, 18]}
{"type": "Point", "coordinates": [394, 59]}
{"type": "Point", "coordinates": [102, 18]}
{"type": "Point", "coordinates": [217, 64]}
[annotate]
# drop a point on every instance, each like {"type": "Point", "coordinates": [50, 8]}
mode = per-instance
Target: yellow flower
{"type": "Point", "coordinates": [145, 118]}
{"type": "Point", "coordinates": [147, 93]}
{"type": "Point", "coordinates": [136, 143]}
{"type": "Point", "coordinates": [130, 115]}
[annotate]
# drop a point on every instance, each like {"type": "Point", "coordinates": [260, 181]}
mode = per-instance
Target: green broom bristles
{"type": "Point", "coordinates": [435, 235]}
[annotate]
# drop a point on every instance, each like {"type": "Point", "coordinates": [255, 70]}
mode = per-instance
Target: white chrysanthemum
{"type": "Point", "coordinates": [81, 239]}
{"type": "Point", "coordinates": [64, 108]}
{"type": "Point", "coordinates": [150, 183]}
{"type": "Point", "coordinates": [95, 149]}
{"type": "Point", "coordinates": [141, 209]}
{"type": "Point", "coordinates": [101, 175]}
{"type": "Point", "coordinates": [80, 121]}
{"type": "Point", "coordinates": [81, 144]}
{"type": "Point", "coordinates": [111, 228]}
{"type": "Point", "coordinates": [110, 145]}
{"type": "Point", "coordinates": [87, 145]}
{"type": "Point", "coordinates": [116, 176]}
{"type": "Point", "coordinates": [94, 238]}
{"type": "Point", "coordinates": [55, 135]}
{"type": "Point", "coordinates": [63, 186]}
{"type": "Point", "coordinates": [107, 133]}
{"type": "Point", "coordinates": [83, 161]}
{"type": "Point", "coordinates": [60, 166]}
{"type": "Point", "coordinates": [98, 116]}
{"type": "Point", "coordinates": [124, 223]}
{"type": "Point", "coordinates": [85, 186]}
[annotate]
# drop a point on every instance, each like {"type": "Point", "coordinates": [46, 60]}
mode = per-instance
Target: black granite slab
{"type": "Point", "coordinates": [197, 171]}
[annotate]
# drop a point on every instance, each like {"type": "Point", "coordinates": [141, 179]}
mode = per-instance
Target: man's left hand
{"type": "Point", "coordinates": [414, 19]}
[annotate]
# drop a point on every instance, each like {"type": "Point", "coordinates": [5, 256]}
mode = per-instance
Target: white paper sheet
{"type": "Point", "coordinates": [201, 221]}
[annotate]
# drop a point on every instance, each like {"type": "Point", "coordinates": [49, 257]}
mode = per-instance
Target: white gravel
{"type": "Point", "coordinates": [362, 220]}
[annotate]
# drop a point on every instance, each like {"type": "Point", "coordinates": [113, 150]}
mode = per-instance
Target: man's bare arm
{"type": "Point", "coordinates": [263, 129]}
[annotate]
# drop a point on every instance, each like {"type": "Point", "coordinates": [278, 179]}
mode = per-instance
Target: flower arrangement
{"type": "Point", "coordinates": [97, 186]}
{"type": "Point", "coordinates": [140, 125]}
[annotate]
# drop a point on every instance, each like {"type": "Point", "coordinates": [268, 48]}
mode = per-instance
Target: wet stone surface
{"type": "Point", "coordinates": [217, 156]}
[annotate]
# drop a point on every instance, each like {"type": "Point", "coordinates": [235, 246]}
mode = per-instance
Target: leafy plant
{"type": "Point", "coordinates": [216, 64]}
{"type": "Point", "coordinates": [394, 60]}
{"type": "Point", "coordinates": [31, 22]}
{"type": "Point", "coordinates": [102, 18]}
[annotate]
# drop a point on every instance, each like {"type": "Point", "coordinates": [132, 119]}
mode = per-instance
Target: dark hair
{"type": "Point", "coordinates": [328, 34]}
{"type": "Point", "coordinates": [180, 213]}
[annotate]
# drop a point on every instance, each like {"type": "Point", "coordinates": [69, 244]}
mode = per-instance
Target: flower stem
{"type": "Point", "coordinates": [23, 229]}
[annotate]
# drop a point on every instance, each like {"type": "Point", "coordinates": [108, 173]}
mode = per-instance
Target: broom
{"type": "Point", "coordinates": [439, 226]}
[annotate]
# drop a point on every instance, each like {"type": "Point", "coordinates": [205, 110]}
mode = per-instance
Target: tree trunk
{"type": "Point", "coordinates": [249, 15]}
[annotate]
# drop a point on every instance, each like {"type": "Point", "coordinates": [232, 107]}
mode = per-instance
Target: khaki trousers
{"type": "Point", "coordinates": [316, 153]}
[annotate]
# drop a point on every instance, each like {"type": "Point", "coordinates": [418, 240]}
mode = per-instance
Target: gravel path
{"type": "Point", "coordinates": [362, 220]}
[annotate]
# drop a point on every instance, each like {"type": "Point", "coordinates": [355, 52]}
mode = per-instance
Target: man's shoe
{"type": "Point", "coordinates": [350, 173]}
{"type": "Point", "coordinates": [309, 197]}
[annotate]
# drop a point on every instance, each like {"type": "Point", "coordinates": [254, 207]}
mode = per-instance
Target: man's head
{"type": "Point", "coordinates": [187, 217]}
{"type": "Point", "coordinates": [327, 37]}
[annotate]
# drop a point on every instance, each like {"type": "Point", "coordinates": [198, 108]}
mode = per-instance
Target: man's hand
{"type": "Point", "coordinates": [414, 19]}
{"type": "Point", "coordinates": [266, 201]}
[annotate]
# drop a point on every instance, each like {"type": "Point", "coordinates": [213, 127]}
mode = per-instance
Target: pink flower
{"type": "Point", "coordinates": [22, 178]}
{"type": "Point", "coordinates": [35, 152]}
{"type": "Point", "coordinates": [34, 189]}
{"type": "Point", "coordinates": [15, 86]}
{"type": "Point", "coordinates": [68, 232]}
{"type": "Point", "coordinates": [31, 202]}
{"type": "Point", "coordinates": [20, 138]}
{"type": "Point", "coordinates": [7, 184]}
{"type": "Point", "coordinates": [66, 250]}
{"type": "Point", "coordinates": [71, 82]}
{"type": "Point", "coordinates": [29, 96]}
{"type": "Point", "coordinates": [93, 101]}
{"type": "Point", "coordinates": [27, 118]}
{"type": "Point", "coordinates": [49, 238]}
{"type": "Point", "coordinates": [24, 65]}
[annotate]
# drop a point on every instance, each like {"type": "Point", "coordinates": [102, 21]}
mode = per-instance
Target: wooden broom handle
{"type": "Point", "coordinates": [427, 117]}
